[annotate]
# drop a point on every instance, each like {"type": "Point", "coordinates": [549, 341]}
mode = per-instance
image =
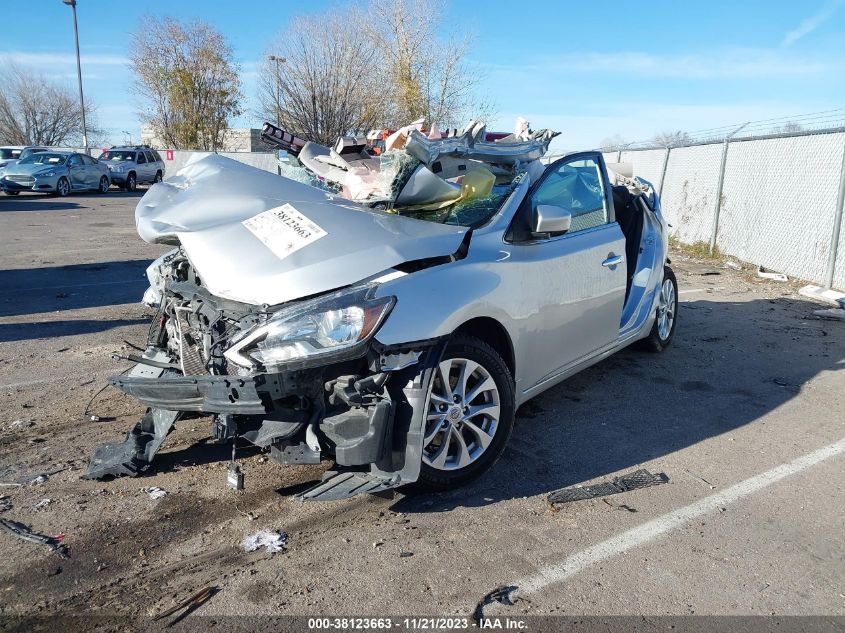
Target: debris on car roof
{"type": "Point", "coordinates": [416, 169]}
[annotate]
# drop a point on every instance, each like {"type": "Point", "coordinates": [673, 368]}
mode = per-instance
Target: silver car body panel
{"type": "Point", "coordinates": [204, 208]}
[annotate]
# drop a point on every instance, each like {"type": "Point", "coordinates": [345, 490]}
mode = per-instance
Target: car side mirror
{"type": "Point", "coordinates": [550, 218]}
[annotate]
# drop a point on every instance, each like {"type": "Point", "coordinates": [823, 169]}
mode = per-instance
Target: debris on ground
{"type": "Point", "coordinates": [23, 532]}
{"type": "Point", "coordinates": [709, 272]}
{"type": "Point", "coordinates": [832, 314]}
{"type": "Point", "coordinates": [40, 479]}
{"type": "Point", "coordinates": [732, 265]}
{"type": "Point", "coordinates": [191, 604]}
{"type": "Point", "coordinates": [824, 294]}
{"type": "Point", "coordinates": [20, 424]}
{"type": "Point", "coordinates": [273, 541]}
{"type": "Point", "coordinates": [770, 274]}
{"type": "Point", "coordinates": [42, 504]}
{"type": "Point", "coordinates": [502, 595]}
{"type": "Point", "coordinates": [632, 481]}
{"type": "Point", "coordinates": [155, 492]}
{"type": "Point", "coordinates": [5, 503]}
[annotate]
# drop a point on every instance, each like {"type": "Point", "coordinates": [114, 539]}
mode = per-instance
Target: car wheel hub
{"type": "Point", "coordinates": [458, 433]}
{"type": "Point", "coordinates": [666, 309]}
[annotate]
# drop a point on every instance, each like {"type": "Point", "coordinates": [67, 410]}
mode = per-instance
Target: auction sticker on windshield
{"type": "Point", "coordinates": [284, 230]}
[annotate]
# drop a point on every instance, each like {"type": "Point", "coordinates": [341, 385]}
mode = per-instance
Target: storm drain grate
{"type": "Point", "coordinates": [637, 479]}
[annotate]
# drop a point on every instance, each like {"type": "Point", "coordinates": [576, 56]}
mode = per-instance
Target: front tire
{"type": "Point", "coordinates": [666, 318]}
{"type": "Point", "coordinates": [469, 415]}
{"type": "Point", "coordinates": [12, 193]}
{"type": "Point", "coordinates": [104, 185]}
{"type": "Point", "coordinates": [63, 187]}
{"type": "Point", "coordinates": [131, 182]}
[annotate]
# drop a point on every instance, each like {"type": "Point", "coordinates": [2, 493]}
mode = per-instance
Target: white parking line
{"type": "Point", "coordinates": [660, 526]}
{"type": "Point", "coordinates": [688, 292]}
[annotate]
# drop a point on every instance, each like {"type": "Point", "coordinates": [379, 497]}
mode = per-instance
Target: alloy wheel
{"type": "Point", "coordinates": [63, 187]}
{"type": "Point", "coordinates": [666, 309]}
{"type": "Point", "coordinates": [463, 414]}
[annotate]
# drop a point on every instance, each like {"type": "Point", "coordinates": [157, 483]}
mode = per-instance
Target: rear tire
{"type": "Point", "coordinates": [12, 193]}
{"type": "Point", "coordinates": [158, 177]}
{"type": "Point", "coordinates": [471, 426]}
{"type": "Point", "coordinates": [666, 318]}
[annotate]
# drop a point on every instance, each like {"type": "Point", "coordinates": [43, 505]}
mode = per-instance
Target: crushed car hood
{"type": "Point", "coordinates": [259, 238]}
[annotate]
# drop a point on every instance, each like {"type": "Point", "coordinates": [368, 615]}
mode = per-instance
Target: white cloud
{"type": "Point", "coordinates": [812, 23]}
{"type": "Point", "coordinates": [733, 63]}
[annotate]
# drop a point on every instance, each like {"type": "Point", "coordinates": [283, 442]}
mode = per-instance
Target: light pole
{"type": "Point", "coordinates": [72, 5]}
{"type": "Point", "coordinates": [129, 134]}
{"type": "Point", "coordinates": [278, 60]}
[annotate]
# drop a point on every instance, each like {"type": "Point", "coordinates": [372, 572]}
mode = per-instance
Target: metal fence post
{"type": "Point", "coordinates": [619, 156]}
{"type": "Point", "coordinates": [837, 227]}
{"type": "Point", "coordinates": [663, 172]}
{"type": "Point", "coordinates": [718, 206]}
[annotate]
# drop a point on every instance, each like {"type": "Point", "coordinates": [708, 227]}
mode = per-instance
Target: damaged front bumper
{"type": "Point", "coordinates": [372, 422]}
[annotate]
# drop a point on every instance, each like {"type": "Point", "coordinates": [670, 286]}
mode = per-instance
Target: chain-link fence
{"type": "Point", "coordinates": [775, 201]}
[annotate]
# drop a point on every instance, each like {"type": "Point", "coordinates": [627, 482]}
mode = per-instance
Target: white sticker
{"type": "Point", "coordinates": [284, 230]}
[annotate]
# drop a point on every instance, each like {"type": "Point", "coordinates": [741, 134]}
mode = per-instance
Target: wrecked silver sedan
{"type": "Point", "coordinates": [395, 315]}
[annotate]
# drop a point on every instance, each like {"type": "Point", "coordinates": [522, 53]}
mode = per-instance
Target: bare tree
{"type": "Point", "coordinates": [356, 68]}
{"type": "Point", "coordinates": [37, 111]}
{"type": "Point", "coordinates": [613, 143]}
{"type": "Point", "coordinates": [327, 85]}
{"type": "Point", "coordinates": [188, 76]}
{"type": "Point", "coordinates": [426, 67]}
{"type": "Point", "coordinates": [790, 127]}
{"type": "Point", "coordinates": [671, 138]}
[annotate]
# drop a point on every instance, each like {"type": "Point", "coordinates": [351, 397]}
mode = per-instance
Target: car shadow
{"type": "Point", "coordinates": [35, 202]}
{"type": "Point", "coordinates": [57, 288]}
{"type": "Point", "coordinates": [120, 193]}
{"type": "Point", "coordinates": [730, 364]}
{"type": "Point", "coordinates": [53, 329]}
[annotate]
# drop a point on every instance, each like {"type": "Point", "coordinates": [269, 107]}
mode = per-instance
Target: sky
{"type": "Point", "coordinates": [589, 70]}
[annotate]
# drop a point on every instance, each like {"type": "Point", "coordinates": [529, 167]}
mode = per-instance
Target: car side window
{"type": "Point", "coordinates": [150, 157]}
{"type": "Point", "coordinates": [75, 160]}
{"type": "Point", "coordinates": [577, 186]}
{"type": "Point", "coordinates": [141, 158]}
{"type": "Point", "coordinates": [157, 156]}
{"type": "Point", "coordinates": [88, 160]}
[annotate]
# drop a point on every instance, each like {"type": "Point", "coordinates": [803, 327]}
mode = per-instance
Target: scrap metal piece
{"type": "Point", "coordinates": [502, 595]}
{"type": "Point", "coordinates": [191, 604]}
{"type": "Point", "coordinates": [24, 532]}
{"type": "Point", "coordinates": [632, 481]}
{"type": "Point", "coordinates": [136, 452]}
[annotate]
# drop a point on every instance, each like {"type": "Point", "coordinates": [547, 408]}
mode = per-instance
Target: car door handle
{"type": "Point", "coordinates": [613, 261]}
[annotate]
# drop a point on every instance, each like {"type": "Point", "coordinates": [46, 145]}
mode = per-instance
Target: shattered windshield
{"type": "Point", "coordinates": [459, 178]}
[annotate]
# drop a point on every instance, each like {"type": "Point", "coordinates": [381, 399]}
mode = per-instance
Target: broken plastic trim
{"type": "Point", "coordinates": [632, 481]}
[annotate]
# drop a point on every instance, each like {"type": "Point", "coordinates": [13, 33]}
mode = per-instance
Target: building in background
{"type": "Point", "coordinates": [235, 140]}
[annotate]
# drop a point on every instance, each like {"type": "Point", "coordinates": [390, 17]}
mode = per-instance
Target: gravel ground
{"type": "Point", "coordinates": [752, 381]}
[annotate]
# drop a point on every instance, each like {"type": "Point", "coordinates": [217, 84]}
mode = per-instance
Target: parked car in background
{"type": "Point", "coordinates": [10, 154]}
{"type": "Point", "coordinates": [58, 172]}
{"type": "Point", "coordinates": [133, 165]}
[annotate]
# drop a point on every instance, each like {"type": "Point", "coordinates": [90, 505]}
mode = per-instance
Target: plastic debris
{"type": "Point", "coordinates": [42, 504]}
{"type": "Point", "coordinates": [273, 541]}
{"type": "Point", "coordinates": [833, 314]}
{"type": "Point", "coordinates": [40, 479]}
{"type": "Point", "coordinates": [638, 479]}
{"type": "Point", "coordinates": [5, 503]}
{"type": "Point", "coordinates": [23, 532]}
{"type": "Point", "coordinates": [733, 265]}
{"type": "Point", "coordinates": [20, 424]}
{"type": "Point", "coordinates": [771, 275]}
{"type": "Point", "coordinates": [825, 294]}
{"type": "Point", "coordinates": [155, 492]}
{"type": "Point", "coordinates": [502, 595]}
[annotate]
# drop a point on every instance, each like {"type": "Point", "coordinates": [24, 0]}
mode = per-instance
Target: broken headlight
{"type": "Point", "coordinates": [333, 325]}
